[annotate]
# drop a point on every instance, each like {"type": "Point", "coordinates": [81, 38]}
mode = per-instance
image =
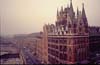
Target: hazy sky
{"type": "Point", "coordinates": [28, 16]}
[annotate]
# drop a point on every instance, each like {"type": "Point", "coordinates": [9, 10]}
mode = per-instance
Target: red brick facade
{"type": "Point", "coordinates": [68, 40]}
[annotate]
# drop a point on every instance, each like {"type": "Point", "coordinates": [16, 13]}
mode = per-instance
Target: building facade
{"type": "Point", "coordinates": [94, 39]}
{"type": "Point", "coordinates": [42, 48]}
{"type": "Point", "coordinates": [70, 40]}
{"type": "Point", "coordinates": [67, 41]}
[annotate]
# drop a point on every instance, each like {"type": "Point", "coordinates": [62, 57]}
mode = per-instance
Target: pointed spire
{"type": "Point", "coordinates": [61, 8]}
{"type": "Point", "coordinates": [71, 1]}
{"type": "Point", "coordinates": [57, 12]}
{"type": "Point", "coordinates": [83, 11]}
{"type": "Point", "coordinates": [71, 6]}
{"type": "Point", "coordinates": [77, 12]}
{"type": "Point", "coordinates": [67, 5]}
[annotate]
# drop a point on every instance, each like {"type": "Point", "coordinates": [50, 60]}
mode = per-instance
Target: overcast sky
{"type": "Point", "coordinates": [28, 16]}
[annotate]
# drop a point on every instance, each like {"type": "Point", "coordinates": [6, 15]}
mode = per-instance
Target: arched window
{"type": "Point", "coordinates": [58, 33]}
{"type": "Point", "coordinates": [69, 25]}
{"type": "Point", "coordinates": [80, 29]}
{"type": "Point", "coordinates": [74, 30]}
{"type": "Point", "coordinates": [62, 32]}
{"type": "Point", "coordinates": [74, 25]}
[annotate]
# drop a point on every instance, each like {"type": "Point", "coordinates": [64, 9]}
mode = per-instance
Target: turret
{"type": "Point", "coordinates": [84, 14]}
{"type": "Point", "coordinates": [71, 12]}
{"type": "Point", "coordinates": [77, 12]}
{"type": "Point", "coordinates": [61, 9]}
{"type": "Point", "coordinates": [71, 6]}
{"type": "Point", "coordinates": [84, 18]}
{"type": "Point", "coordinates": [67, 5]}
{"type": "Point", "coordinates": [57, 14]}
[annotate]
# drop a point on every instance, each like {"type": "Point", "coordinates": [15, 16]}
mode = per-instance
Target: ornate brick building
{"type": "Point", "coordinates": [67, 41]}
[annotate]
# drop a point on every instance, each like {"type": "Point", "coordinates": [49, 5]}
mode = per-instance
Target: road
{"type": "Point", "coordinates": [30, 59]}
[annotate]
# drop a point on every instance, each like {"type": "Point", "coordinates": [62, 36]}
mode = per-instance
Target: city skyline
{"type": "Point", "coordinates": [47, 32]}
{"type": "Point", "coordinates": [28, 16]}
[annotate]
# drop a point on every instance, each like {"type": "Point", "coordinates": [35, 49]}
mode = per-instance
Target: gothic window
{"type": "Point", "coordinates": [56, 53]}
{"type": "Point", "coordinates": [64, 27]}
{"type": "Point", "coordinates": [51, 40]}
{"type": "Point", "coordinates": [69, 49]}
{"type": "Point", "coordinates": [63, 56]}
{"type": "Point", "coordinates": [58, 33]}
{"type": "Point", "coordinates": [61, 41]}
{"type": "Point", "coordinates": [69, 58]}
{"type": "Point", "coordinates": [69, 26]}
{"type": "Point", "coordinates": [69, 41]}
{"type": "Point", "coordinates": [66, 32]}
{"type": "Point", "coordinates": [51, 60]}
{"type": "Point", "coordinates": [66, 15]}
{"type": "Point", "coordinates": [57, 29]}
{"type": "Point", "coordinates": [74, 30]}
{"type": "Point", "coordinates": [56, 47]}
{"type": "Point", "coordinates": [74, 25]}
{"type": "Point", "coordinates": [56, 61]}
{"type": "Point", "coordinates": [80, 29]}
{"type": "Point", "coordinates": [80, 24]}
{"type": "Point", "coordinates": [75, 41]}
{"type": "Point", "coordinates": [48, 40]}
{"type": "Point", "coordinates": [56, 41]}
{"type": "Point", "coordinates": [48, 45]}
{"type": "Point", "coordinates": [65, 48]}
{"type": "Point", "coordinates": [86, 30]}
{"type": "Point", "coordinates": [48, 50]}
{"type": "Point", "coordinates": [62, 32]}
{"type": "Point", "coordinates": [64, 41]}
{"type": "Point", "coordinates": [60, 48]}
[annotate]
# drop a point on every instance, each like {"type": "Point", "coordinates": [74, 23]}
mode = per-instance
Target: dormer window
{"type": "Point", "coordinates": [74, 25]}
{"type": "Point", "coordinates": [69, 26]}
{"type": "Point", "coordinates": [74, 30]}
{"type": "Point", "coordinates": [80, 23]}
{"type": "Point", "coordinates": [97, 30]}
{"type": "Point", "coordinates": [86, 30]}
{"type": "Point", "coordinates": [62, 32]}
{"type": "Point", "coordinates": [58, 33]}
{"type": "Point", "coordinates": [64, 27]}
{"type": "Point", "coordinates": [80, 30]}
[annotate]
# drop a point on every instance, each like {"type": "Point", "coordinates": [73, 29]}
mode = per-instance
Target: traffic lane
{"type": "Point", "coordinates": [29, 58]}
{"type": "Point", "coordinates": [29, 61]}
{"type": "Point", "coordinates": [30, 54]}
{"type": "Point", "coordinates": [32, 57]}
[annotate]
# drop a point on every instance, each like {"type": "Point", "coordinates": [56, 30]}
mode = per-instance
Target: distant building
{"type": "Point", "coordinates": [10, 55]}
{"type": "Point", "coordinates": [94, 39]}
